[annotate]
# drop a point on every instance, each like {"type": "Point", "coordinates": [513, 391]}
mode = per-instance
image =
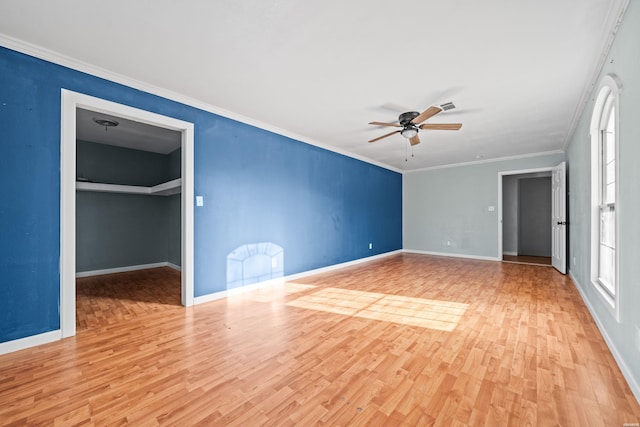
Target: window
{"type": "Point", "coordinates": [604, 143]}
{"type": "Point", "coordinates": [607, 202]}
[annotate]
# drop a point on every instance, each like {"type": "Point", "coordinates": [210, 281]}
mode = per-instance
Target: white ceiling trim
{"type": "Point", "coordinates": [611, 25]}
{"type": "Point", "coordinates": [69, 62]}
{"type": "Point", "coordinates": [477, 162]}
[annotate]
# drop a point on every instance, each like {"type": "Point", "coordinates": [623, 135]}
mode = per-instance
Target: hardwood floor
{"type": "Point", "coordinates": [405, 340]}
{"type": "Point", "coordinates": [526, 259]}
{"type": "Point", "coordinates": [112, 298]}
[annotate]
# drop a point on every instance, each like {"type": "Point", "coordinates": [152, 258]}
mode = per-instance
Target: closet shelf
{"type": "Point", "coordinates": [165, 189]}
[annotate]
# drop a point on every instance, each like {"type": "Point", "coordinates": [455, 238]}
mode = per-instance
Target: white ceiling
{"type": "Point", "coordinates": [518, 72]}
{"type": "Point", "coordinates": [127, 133]}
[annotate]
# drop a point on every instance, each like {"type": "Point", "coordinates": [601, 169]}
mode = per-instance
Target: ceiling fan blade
{"type": "Point", "coordinates": [441, 126]}
{"type": "Point", "coordinates": [429, 112]}
{"type": "Point", "coordinates": [384, 136]}
{"type": "Point", "coordinates": [415, 140]}
{"type": "Point", "coordinates": [398, 125]}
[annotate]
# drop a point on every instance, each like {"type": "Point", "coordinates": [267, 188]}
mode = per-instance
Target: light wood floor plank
{"type": "Point", "coordinates": [406, 340]}
{"type": "Point", "coordinates": [113, 298]}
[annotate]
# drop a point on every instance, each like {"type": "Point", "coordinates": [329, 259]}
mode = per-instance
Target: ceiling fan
{"type": "Point", "coordinates": [411, 123]}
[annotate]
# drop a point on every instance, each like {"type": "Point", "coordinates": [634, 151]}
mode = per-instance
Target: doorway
{"type": "Point", "coordinates": [71, 103]}
{"type": "Point", "coordinates": [525, 216]}
{"type": "Point", "coordinates": [534, 217]}
{"type": "Point", "coordinates": [128, 225]}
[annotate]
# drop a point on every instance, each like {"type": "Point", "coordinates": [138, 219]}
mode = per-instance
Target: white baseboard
{"type": "Point", "coordinates": [125, 269]}
{"type": "Point", "coordinates": [447, 254]}
{"type": "Point", "coordinates": [32, 341]}
{"type": "Point", "coordinates": [235, 291]}
{"type": "Point", "coordinates": [509, 253]}
{"type": "Point", "coordinates": [22, 343]}
{"type": "Point", "coordinates": [342, 265]}
{"type": "Point", "coordinates": [626, 372]}
{"type": "Point", "coordinates": [47, 337]}
{"type": "Point", "coordinates": [174, 266]}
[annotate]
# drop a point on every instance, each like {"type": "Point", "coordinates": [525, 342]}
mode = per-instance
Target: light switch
{"type": "Point", "coordinates": [491, 208]}
{"type": "Point", "coordinates": [199, 201]}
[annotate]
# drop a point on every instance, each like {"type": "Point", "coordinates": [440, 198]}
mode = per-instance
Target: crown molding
{"type": "Point", "coordinates": [612, 23]}
{"type": "Point", "coordinates": [497, 159]}
{"type": "Point", "coordinates": [75, 64]}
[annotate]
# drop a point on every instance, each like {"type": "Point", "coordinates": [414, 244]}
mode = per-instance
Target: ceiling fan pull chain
{"type": "Point", "coordinates": [405, 151]}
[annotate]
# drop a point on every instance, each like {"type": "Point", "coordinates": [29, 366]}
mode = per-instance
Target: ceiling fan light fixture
{"type": "Point", "coordinates": [409, 132]}
{"type": "Point", "coordinates": [411, 122]}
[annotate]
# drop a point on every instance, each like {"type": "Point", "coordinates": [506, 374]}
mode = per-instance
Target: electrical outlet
{"type": "Point", "coordinates": [574, 261]}
{"type": "Point", "coordinates": [370, 245]}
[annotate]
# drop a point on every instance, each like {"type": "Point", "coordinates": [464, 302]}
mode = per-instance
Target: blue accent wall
{"type": "Point", "coordinates": [322, 208]}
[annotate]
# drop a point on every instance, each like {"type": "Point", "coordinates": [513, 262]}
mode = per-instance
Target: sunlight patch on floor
{"type": "Point", "coordinates": [421, 312]}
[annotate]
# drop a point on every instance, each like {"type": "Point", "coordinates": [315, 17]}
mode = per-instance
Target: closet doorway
{"type": "Point", "coordinates": [526, 216]}
{"type": "Point", "coordinates": [155, 177]}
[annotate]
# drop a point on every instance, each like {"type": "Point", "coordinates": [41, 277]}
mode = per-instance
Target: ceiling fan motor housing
{"type": "Point", "coordinates": [405, 118]}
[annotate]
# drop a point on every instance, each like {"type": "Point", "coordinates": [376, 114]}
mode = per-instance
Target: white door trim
{"type": "Point", "coordinates": [70, 101]}
{"type": "Point", "coordinates": [500, 207]}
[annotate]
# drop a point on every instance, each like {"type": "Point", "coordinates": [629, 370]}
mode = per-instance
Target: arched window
{"type": "Point", "coordinates": [604, 173]}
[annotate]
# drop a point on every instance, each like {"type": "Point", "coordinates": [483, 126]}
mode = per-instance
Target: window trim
{"type": "Point", "coordinates": [608, 96]}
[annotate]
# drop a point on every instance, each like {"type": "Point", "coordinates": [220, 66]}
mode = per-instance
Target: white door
{"type": "Point", "coordinates": [559, 218]}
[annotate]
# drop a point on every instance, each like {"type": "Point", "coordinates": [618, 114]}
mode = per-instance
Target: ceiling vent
{"type": "Point", "coordinates": [447, 106]}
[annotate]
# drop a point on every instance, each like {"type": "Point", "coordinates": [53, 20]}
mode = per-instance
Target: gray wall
{"type": "Point", "coordinates": [510, 214]}
{"type": "Point", "coordinates": [116, 165]}
{"type": "Point", "coordinates": [534, 216]}
{"type": "Point", "coordinates": [175, 164]}
{"type": "Point", "coordinates": [175, 211]}
{"type": "Point", "coordinates": [119, 230]}
{"type": "Point", "coordinates": [450, 205]}
{"type": "Point", "coordinates": [174, 254]}
{"type": "Point", "coordinates": [624, 335]}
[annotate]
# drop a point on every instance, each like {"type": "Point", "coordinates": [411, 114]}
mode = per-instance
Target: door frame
{"type": "Point", "coordinates": [501, 175]}
{"type": "Point", "coordinates": [70, 101]}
